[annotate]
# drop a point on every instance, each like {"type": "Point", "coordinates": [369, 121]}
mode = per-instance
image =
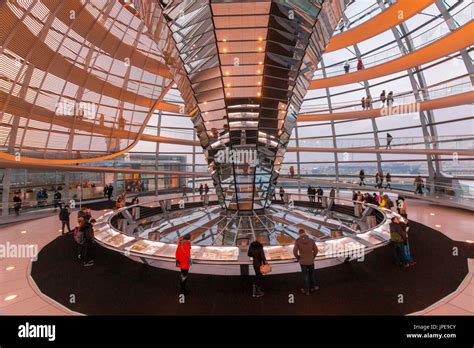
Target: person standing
{"type": "Point", "coordinates": [206, 189]}
{"type": "Point", "coordinates": [184, 261]}
{"type": "Point", "coordinates": [17, 204]}
{"type": "Point", "coordinates": [361, 177]}
{"type": "Point", "coordinates": [45, 197]}
{"type": "Point", "coordinates": [292, 171]}
{"type": "Point", "coordinates": [305, 251]}
{"type": "Point", "coordinates": [354, 197]}
{"type": "Point", "coordinates": [110, 191]}
{"type": "Point", "coordinates": [398, 238]}
{"type": "Point", "coordinates": [84, 237]}
{"type": "Point", "coordinates": [121, 123]}
{"type": "Point", "coordinates": [64, 214]}
{"type": "Point", "coordinates": [360, 65]}
{"type": "Point", "coordinates": [185, 192]}
{"type": "Point", "coordinates": [377, 179]}
{"type": "Point", "coordinates": [418, 185]}
{"type": "Point", "coordinates": [358, 204]}
{"type": "Point", "coordinates": [282, 193]}
{"type": "Point", "coordinates": [136, 210]}
{"type": "Point", "coordinates": [57, 200]}
{"type": "Point", "coordinates": [309, 192]}
{"type": "Point", "coordinates": [390, 98]}
{"type": "Point", "coordinates": [332, 196]}
{"type": "Point", "coordinates": [368, 102]}
{"type": "Point", "coordinates": [85, 213]}
{"type": "Point", "coordinates": [347, 66]}
{"type": "Point", "coordinates": [39, 199]}
{"type": "Point", "coordinates": [406, 246]}
{"type": "Point", "coordinates": [389, 141]}
{"type": "Point", "coordinates": [383, 98]}
{"type": "Point", "coordinates": [106, 191]}
{"type": "Point", "coordinates": [201, 191]}
{"type": "Point", "coordinates": [388, 179]}
{"type": "Point", "coordinates": [402, 207]}
{"type": "Point", "coordinates": [363, 104]}
{"type": "Point", "coordinates": [257, 254]}
{"type": "Point", "coordinates": [320, 194]}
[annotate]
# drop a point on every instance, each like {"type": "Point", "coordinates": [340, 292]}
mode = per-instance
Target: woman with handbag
{"type": "Point", "coordinates": [259, 264]}
{"type": "Point", "coordinates": [184, 261]}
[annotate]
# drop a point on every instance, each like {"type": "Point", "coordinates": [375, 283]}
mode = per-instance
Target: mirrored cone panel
{"type": "Point", "coordinates": [248, 66]}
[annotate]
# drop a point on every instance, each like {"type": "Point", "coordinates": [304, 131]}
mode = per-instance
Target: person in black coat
{"type": "Point", "coordinates": [85, 213]}
{"type": "Point", "coordinates": [258, 256]}
{"type": "Point", "coordinates": [87, 229]}
{"type": "Point", "coordinates": [17, 204]}
{"type": "Point", "coordinates": [64, 218]}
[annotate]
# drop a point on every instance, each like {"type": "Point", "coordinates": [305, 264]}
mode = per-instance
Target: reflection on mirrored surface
{"type": "Point", "coordinates": [275, 226]}
{"type": "Point", "coordinates": [248, 85]}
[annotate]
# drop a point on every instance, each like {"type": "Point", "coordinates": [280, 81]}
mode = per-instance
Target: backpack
{"type": "Point", "coordinates": [79, 236]}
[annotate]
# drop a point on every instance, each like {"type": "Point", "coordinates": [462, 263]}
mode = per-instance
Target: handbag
{"type": "Point", "coordinates": [265, 268]}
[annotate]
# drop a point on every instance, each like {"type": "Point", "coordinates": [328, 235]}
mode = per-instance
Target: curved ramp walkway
{"type": "Point", "coordinates": [448, 44]}
{"type": "Point", "coordinates": [397, 13]}
{"type": "Point", "coordinates": [438, 103]}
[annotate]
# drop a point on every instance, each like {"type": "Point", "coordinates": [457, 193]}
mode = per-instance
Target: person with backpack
{"type": "Point", "coordinates": [305, 251]}
{"type": "Point", "coordinates": [84, 237]}
{"type": "Point", "coordinates": [64, 214]}
{"type": "Point", "coordinates": [257, 254]}
{"type": "Point", "coordinates": [184, 261]}
{"type": "Point", "coordinates": [398, 238]}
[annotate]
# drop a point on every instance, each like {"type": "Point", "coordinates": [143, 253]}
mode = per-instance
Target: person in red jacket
{"type": "Point", "coordinates": [183, 260]}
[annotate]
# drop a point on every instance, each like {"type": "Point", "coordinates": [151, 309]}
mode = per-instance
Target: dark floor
{"type": "Point", "coordinates": [117, 285]}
